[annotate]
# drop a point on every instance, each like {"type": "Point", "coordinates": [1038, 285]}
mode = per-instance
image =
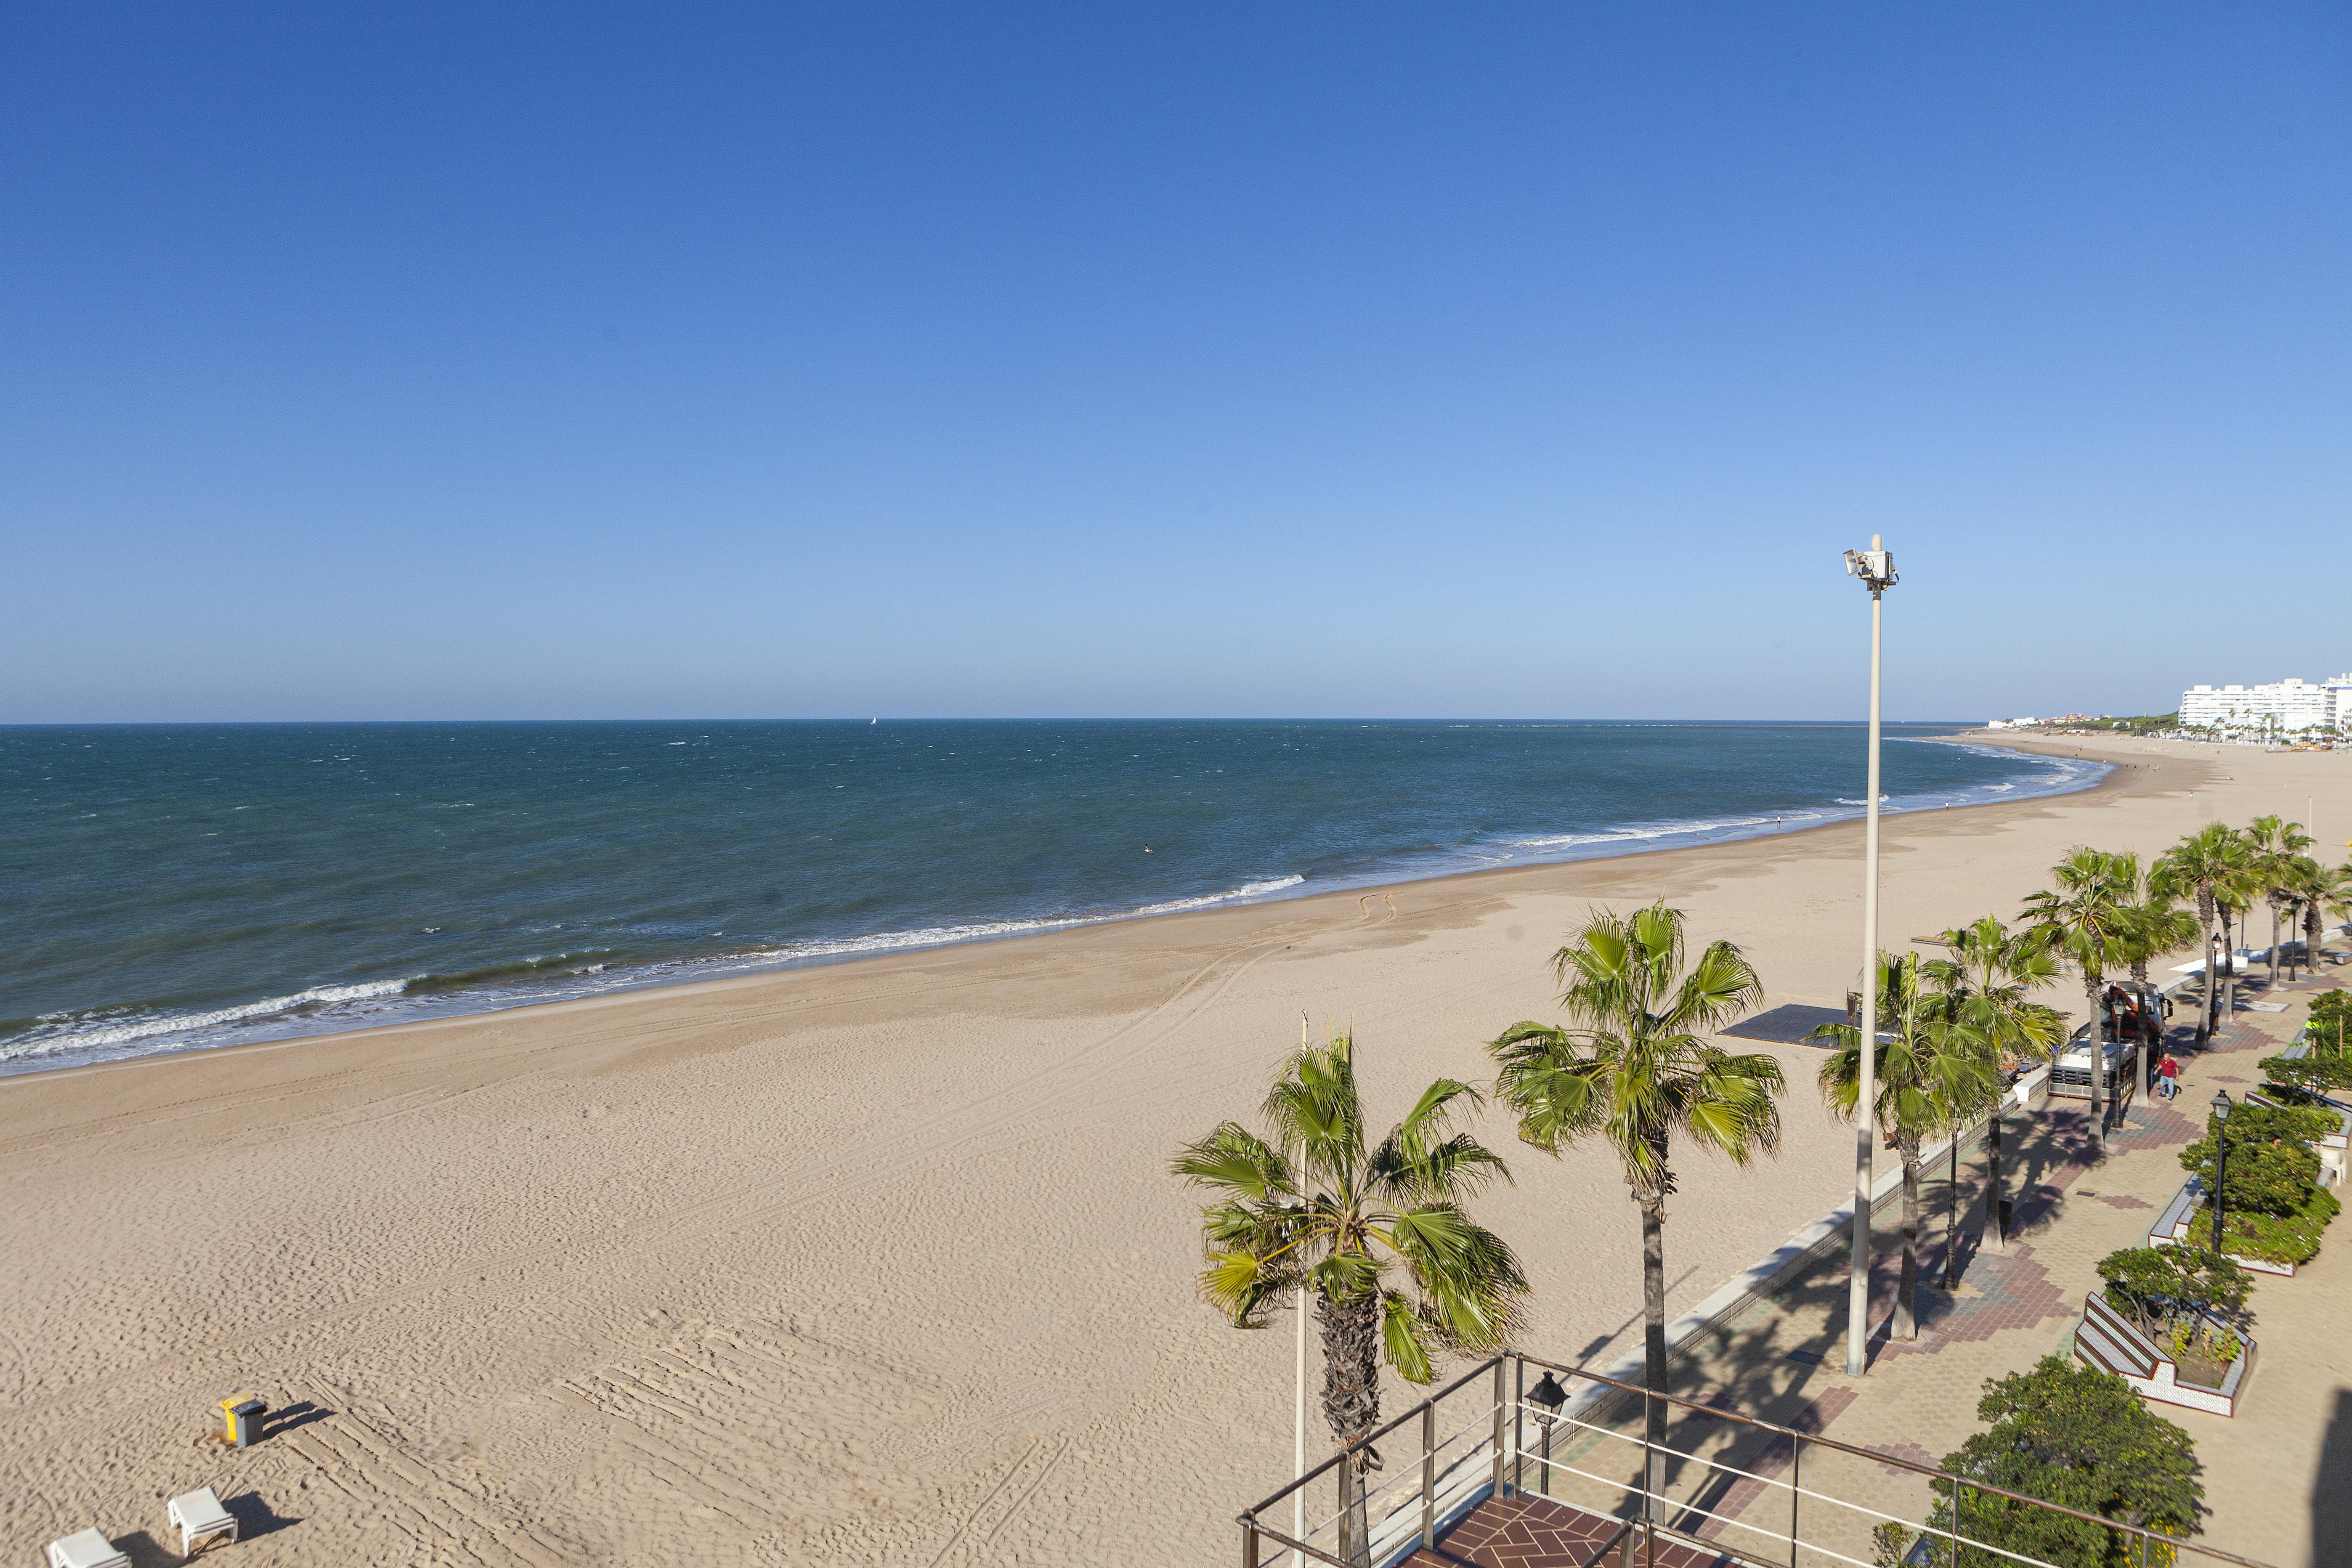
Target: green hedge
{"type": "Point", "coordinates": [2272, 1238]}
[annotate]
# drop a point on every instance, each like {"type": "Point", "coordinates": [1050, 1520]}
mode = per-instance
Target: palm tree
{"type": "Point", "coordinates": [2203, 867]}
{"type": "Point", "coordinates": [1314, 1205]}
{"type": "Point", "coordinates": [2158, 925]}
{"type": "Point", "coordinates": [2276, 843]}
{"type": "Point", "coordinates": [2236, 898]}
{"type": "Point", "coordinates": [1934, 1070]}
{"type": "Point", "coordinates": [1986, 981]}
{"type": "Point", "coordinates": [2297, 877]}
{"type": "Point", "coordinates": [2153, 928]}
{"type": "Point", "coordinates": [2086, 917]}
{"type": "Point", "coordinates": [1634, 1067]}
{"type": "Point", "coordinates": [2327, 890]}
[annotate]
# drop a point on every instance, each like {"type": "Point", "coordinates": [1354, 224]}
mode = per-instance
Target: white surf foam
{"type": "Point", "coordinates": [107, 1030]}
{"type": "Point", "coordinates": [118, 1032]}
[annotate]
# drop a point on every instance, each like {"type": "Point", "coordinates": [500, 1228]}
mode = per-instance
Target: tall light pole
{"type": "Point", "coordinates": [1875, 567]}
{"type": "Point", "coordinates": [1298, 1426]}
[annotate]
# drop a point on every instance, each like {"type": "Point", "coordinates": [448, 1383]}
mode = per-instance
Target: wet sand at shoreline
{"type": "Point", "coordinates": [874, 1262]}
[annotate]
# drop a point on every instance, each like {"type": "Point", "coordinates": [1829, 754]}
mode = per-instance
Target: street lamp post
{"type": "Point", "coordinates": [1875, 567]}
{"type": "Point", "coordinates": [2222, 1106]}
{"type": "Point", "coordinates": [1547, 1397]}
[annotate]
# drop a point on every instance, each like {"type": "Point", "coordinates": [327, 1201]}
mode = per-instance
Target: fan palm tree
{"type": "Point", "coordinates": [2277, 843]}
{"type": "Point", "coordinates": [1379, 1233]}
{"type": "Point", "coordinates": [2085, 916]}
{"type": "Point", "coordinates": [2204, 866]}
{"type": "Point", "coordinates": [2153, 927]}
{"type": "Point", "coordinates": [2326, 890]}
{"type": "Point", "coordinates": [2158, 925]}
{"type": "Point", "coordinates": [1634, 1067]}
{"type": "Point", "coordinates": [1934, 1070]}
{"type": "Point", "coordinates": [2236, 899]}
{"type": "Point", "coordinates": [1986, 981]}
{"type": "Point", "coordinates": [2297, 877]}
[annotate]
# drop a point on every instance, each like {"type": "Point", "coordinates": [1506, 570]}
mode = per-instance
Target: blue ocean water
{"type": "Point", "coordinates": [172, 887]}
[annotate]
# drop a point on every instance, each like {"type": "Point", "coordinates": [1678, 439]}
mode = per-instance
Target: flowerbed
{"type": "Point", "coordinates": [2290, 1239]}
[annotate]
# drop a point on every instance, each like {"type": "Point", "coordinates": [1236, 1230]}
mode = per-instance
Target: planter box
{"type": "Point", "coordinates": [2172, 1229]}
{"type": "Point", "coordinates": [2111, 1341]}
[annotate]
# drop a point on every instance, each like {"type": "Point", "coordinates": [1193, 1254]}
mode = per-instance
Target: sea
{"type": "Point", "coordinates": [174, 888]}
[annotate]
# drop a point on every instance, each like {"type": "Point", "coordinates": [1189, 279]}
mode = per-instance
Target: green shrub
{"type": "Point", "coordinates": [2299, 1080]}
{"type": "Point", "coordinates": [2271, 1166]}
{"type": "Point", "coordinates": [2271, 1238]}
{"type": "Point", "coordinates": [2157, 1284]}
{"type": "Point", "coordinates": [2331, 1022]}
{"type": "Point", "coordinates": [2069, 1434]}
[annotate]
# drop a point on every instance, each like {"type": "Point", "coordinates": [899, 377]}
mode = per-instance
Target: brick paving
{"type": "Point", "coordinates": [2278, 1477]}
{"type": "Point", "coordinates": [1538, 1533]}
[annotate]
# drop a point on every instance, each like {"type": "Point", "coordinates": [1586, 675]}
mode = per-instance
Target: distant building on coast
{"type": "Point", "coordinates": [2281, 706]}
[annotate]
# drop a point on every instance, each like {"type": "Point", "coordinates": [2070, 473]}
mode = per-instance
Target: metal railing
{"type": "Point", "coordinates": [1748, 1501]}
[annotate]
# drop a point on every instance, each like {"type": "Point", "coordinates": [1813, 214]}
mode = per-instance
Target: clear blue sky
{"type": "Point", "coordinates": [998, 359]}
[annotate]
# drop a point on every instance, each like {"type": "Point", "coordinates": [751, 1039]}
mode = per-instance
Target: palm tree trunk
{"type": "Point", "coordinates": [2212, 983]}
{"type": "Point", "coordinates": [1993, 1227]}
{"type": "Point", "coordinates": [1906, 1321]}
{"type": "Point", "coordinates": [1952, 1212]}
{"type": "Point", "coordinates": [1654, 1335]}
{"type": "Point", "coordinates": [2092, 994]}
{"type": "Point", "coordinates": [2229, 952]}
{"type": "Point", "coordinates": [2274, 944]}
{"type": "Point", "coordinates": [1351, 1403]}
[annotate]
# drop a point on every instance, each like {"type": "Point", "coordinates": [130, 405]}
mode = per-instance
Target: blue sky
{"type": "Point", "coordinates": [475, 362]}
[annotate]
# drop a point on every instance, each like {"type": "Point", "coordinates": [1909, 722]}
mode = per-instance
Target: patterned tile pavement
{"type": "Point", "coordinates": [1538, 1532]}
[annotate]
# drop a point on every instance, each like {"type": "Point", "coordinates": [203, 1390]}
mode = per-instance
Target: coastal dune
{"type": "Point", "coordinates": [878, 1262]}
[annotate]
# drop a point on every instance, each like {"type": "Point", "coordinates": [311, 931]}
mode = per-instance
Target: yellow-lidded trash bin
{"type": "Point", "coordinates": [244, 1414]}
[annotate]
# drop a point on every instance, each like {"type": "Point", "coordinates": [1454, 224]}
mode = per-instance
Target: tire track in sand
{"type": "Point", "coordinates": [877, 1159]}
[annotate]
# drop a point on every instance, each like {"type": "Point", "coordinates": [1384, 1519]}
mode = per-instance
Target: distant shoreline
{"type": "Point", "coordinates": [720, 969]}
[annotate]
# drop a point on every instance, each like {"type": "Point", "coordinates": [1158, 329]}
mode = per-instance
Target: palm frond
{"type": "Point", "coordinates": [1400, 1338]}
{"type": "Point", "coordinates": [1235, 1160]}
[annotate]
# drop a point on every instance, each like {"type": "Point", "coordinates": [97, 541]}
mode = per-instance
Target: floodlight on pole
{"type": "Point", "coordinates": [1875, 567]}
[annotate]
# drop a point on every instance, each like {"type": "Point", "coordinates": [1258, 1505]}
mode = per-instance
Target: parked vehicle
{"type": "Point", "coordinates": [2070, 1069]}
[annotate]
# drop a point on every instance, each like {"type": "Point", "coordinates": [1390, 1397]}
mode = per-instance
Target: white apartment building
{"type": "Point", "coordinates": [2283, 706]}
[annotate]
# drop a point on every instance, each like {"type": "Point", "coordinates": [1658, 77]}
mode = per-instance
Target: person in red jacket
{"type": "Point", "coordinates": [2168, 1072]}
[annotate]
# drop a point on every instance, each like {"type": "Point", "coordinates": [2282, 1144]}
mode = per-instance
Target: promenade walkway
{"type": "Point", "coordinates": [2277, 1476]}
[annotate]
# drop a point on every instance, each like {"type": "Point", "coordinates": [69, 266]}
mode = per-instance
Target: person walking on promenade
{"type": "Point", "coordinates": [2168, 1072]}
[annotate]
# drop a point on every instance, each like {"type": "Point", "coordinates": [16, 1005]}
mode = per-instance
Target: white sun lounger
{"type": "Point", "coordinates": [86, 1548]}
{"type": "Point", "coordinates": [201, 1519]}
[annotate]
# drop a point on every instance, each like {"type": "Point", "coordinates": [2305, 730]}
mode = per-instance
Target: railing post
{"type": "Point", "coordinates": [1796, 1489]}
{"type": "Point", "coordinates": [1518, 1432]}
{"type": "Point", "coordinates": [1499, 1391]}
{"type": "Point", "coordinates": [1649, 1471]}
{"type": "Point", "coordinates": [1428, 1476]}
{"type": "Point", "coordinates": [1249, 1542]}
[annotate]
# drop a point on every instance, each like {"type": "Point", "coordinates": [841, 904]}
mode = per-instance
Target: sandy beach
{"type": "Point", "coordinates": [873, 1263]}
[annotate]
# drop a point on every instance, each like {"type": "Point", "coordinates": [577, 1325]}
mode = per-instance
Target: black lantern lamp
{"type": "Point", "coordinates": [1548, 1396]}
{"type": "Point", "coordinates": [2222, 1106]}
